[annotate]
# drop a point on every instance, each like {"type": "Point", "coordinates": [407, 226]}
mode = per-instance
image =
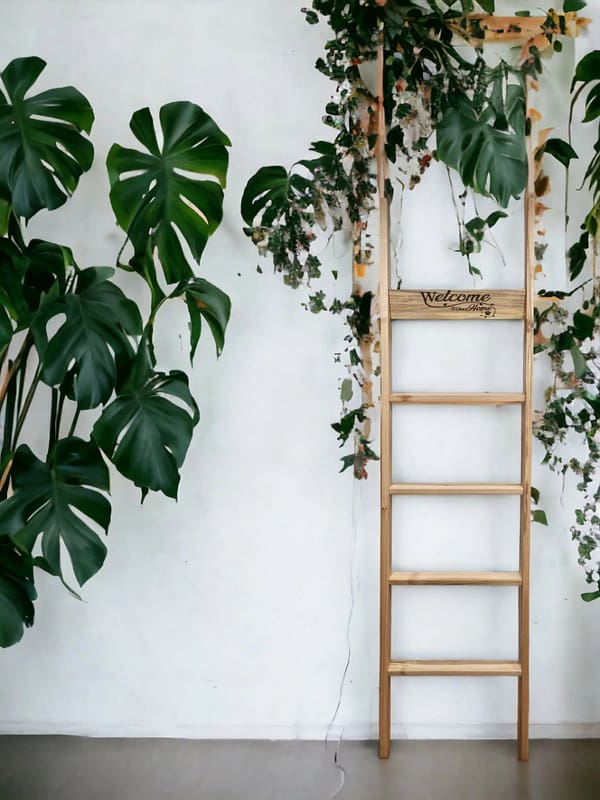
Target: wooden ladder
{"type": "Point", "coordinates": [450, 305]}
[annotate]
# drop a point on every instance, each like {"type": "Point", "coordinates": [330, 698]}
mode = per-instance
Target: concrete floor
{"type": "Point", "coordinates": [70, 768]}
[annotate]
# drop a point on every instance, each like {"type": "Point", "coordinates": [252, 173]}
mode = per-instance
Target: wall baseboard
{"type": "Point", "coordinates": [561, 730]}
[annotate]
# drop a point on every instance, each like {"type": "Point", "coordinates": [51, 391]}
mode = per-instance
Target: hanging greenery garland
{"type": "Point", "coordinates": [478, 113]}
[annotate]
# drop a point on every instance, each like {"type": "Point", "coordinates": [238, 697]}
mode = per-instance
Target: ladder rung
{"type": "Point", "coordinates": [458, 398]}
{"type": "Point", "coordinates": [455, 579]}
{"type": "Point", "coordinates": [456, 488]}
{"type": "Point", "coordinates": [454, 668]}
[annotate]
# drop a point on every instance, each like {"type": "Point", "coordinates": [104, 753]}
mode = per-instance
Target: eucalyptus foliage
{"type": "Point", "coordinates": [70, 334]}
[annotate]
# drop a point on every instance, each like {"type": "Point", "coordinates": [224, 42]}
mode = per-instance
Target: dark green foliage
{"type": "Point", "coordinates": [146, 434]}
{"type": "Point", "coordinates": [78, 333]}
{"type": "Point", "coordinates": [154, 201]}
{"type": "Point", "coordinates": [57, 501]}
{"type": "Point", "coordinates": [43, 152]}
{"type": "Point", "coordinates": [17, 591]}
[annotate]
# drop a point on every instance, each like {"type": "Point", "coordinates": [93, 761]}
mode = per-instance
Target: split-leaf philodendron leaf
{"type": "Point", "coordinates": [92, 341]}
{"type": "Point", "coordinates": [205, 300]}
{"type": "Point", "coordinates": [476, 146]}
{"type": "Point", "coordinates": [147, 429]}
{"type": "Point", "coordinates": [161, 198]}
{"type": "Point", "coordinates": [42, 151]}
{"type": "Point", "coordinates": [59, 501]}
{"type": "Point", "coordinates": [17, 591]}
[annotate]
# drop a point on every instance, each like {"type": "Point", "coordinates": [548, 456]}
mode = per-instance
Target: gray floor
{"type": "Point", "coordinates": [70, 768]}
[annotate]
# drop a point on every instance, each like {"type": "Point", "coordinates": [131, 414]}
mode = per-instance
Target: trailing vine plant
{"type": "Point", "coordinates": [72, 338]}
{"type": "Point", "coordinates": [568, 334]}
{"type": "Point", "coordinates": [480, 119]}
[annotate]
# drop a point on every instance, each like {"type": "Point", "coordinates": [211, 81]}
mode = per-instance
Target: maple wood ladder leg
{"type": "Point", "coordinates": [385, 428]}
{"type": "Point", "coordinates": [526, 445]}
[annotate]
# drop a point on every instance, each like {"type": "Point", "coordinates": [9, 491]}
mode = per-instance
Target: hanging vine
{"type": "Point", "coordinates": [478, 115]}
{"type": "Point", "coordinates": [568, 334]}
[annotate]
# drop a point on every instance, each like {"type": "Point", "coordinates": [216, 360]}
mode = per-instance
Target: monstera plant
{"type": "Point", "coordinates": [70, 336]}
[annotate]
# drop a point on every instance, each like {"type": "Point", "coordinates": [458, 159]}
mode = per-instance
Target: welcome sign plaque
{"type": "Point", "coordinates": [457, 304]}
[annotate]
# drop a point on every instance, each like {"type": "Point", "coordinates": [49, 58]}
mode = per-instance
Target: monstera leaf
{"type": "Point", "coordinates": [488, 156]}
{"type": "Point", "coordinates": [205, 300]}
{"type": "Point", "coordinates": [145, 434]}
{"type": "Point", "coordinates": [267, 191]}
{"type": "Point", "coordinates": [17, 592]}
{"type": "Point", "coordinates": [57, 500]}
{"type": "Point", "coordinates": [158, 196]}
{"type": "Point", "coordinates": [42, 152]}
{"type": "Point", "coordinates": [27, 275]}
{"type": "Point", "coordinates": [92, 340]}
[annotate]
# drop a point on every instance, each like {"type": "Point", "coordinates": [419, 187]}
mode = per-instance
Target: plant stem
{"type": "Point", "coordinates": [14, 367]}
{"type": "Point", "coordinates": [26, 405]}
{"type": "Point", "coordinates": [74, 421]}
{"type": "Point", "coordinates": [53, 415]}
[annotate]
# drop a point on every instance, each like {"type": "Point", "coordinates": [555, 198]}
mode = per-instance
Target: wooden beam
{"type": "Point", "coordinates": [385, 474]}
{"type": "Point", "coordinates": [457, 398]}
{"type": "Point", "coordinates": [455, 578]}
{"type": "Point", "coordinates": [467, 668]}
{"type": "Point", "coordinates": [519, 29]}
{"type": "Point", "coordinates": [455, 488]}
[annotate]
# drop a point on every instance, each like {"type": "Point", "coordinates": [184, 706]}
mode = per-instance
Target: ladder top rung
{"type": "Point", "coordinates": [458, 398]}
{"type": "Point", "coordinates": [486, 304]}
{"type": "Point", "coordinates": [455, 578]}
{"type": "Point", "coordinates": [456, 488]}
{"type": "Point", "coordinates": [454, 668]}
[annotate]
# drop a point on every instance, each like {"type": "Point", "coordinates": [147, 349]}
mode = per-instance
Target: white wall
{"type": "Point", "coordinates": [225, 615]}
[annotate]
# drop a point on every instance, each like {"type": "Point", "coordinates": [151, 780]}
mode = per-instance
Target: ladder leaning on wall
{"type": "Point", "coordinates": [491, 305]}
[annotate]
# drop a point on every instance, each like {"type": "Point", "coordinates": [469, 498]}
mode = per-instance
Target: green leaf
{"type": "Point", "coordinates": [560, 150]}
{"type": "Point", "coordinates": [346, 390]}
{"type": "Point", "coordinates": [583, 325]}
{"type": "Point", "coordinates": [495, 217]}
{"type": "Point", "coordinates": [54, 500]}
{"type": "Point", "coordinates": [579, 362]}
{"type": "Point", "coordinates": [17, 592]}
{"type": "Point", "coordinates": [535, 495]}
{"type": "Point", "coordinates": [491, 161]}
{"type": "Point", "coordinates": [43, 152]}
{"type": "Point", "coordinates": [267, 192]}
{"type": "Point", "coordinates": [589, 596]}
{"type": "Point", "coordinates": [92, 340]}
{"type": "Point", "coordinates": [588, 69]}
{"type": "Point", "coordinates": [573, 5]}
{"type": "Point", "coordinates": [488, 6]}
{"type": "Point", "coordinates": [203, 299]}
{"type": "Point", "coordinates": [146, 435]}
{"type": "Point", "coordinates": [539, 516]}
{"type": "Point", "coordinates": [592, 104]}
{"type": "Point", "coordinates": [577, 256]}
{"type": "Point", "coordinates": [5, 211]}
{"type": "Point", "coordinates": [158, 197]}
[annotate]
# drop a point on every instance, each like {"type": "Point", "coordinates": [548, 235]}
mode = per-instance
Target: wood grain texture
{"type": "Point", "coordinates": [456, 488]}
{"type": "Point", "coordinates": [490, 304]}
{"type": "Point", "coordinates": [468, 668]}
{"type": "Point", "coordinates": [455, 578]}
{"type": "Point", "coordinates": [526, 449]}
{"type": "Point", "coordinates": [457, 398]}
{"type": "Point", "coordinates": [385, 473]}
